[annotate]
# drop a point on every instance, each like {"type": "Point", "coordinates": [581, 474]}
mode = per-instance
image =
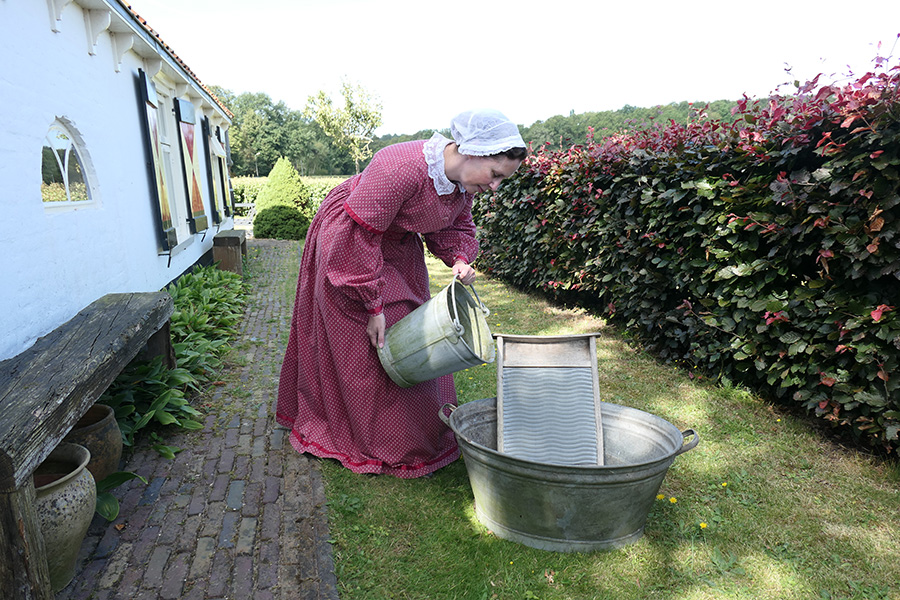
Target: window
{"type": "Point", "coordinates": [63, 177]}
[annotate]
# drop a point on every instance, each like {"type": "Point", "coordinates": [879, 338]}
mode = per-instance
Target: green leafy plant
{"type": "Point", "coordinates": [107, 504]}
{"type": "Point", "coordinates": [149, 392]}
{"type": "Point", "coordinates": [208, 307]}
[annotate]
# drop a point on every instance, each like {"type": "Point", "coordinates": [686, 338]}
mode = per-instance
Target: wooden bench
{"type": "Point", "coordinates": [43, 392]}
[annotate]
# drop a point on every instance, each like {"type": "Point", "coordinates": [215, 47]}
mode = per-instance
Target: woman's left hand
{"type": "Point", "coordinates": [465, 272]}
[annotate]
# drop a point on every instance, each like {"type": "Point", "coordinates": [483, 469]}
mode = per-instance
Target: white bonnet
{"type": "Point", "coordinates": [484, 133]}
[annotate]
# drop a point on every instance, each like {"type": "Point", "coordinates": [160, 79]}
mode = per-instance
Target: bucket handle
{"type": "Point", "coordinates": [443, 416]}
{"type": "Point", "coordinates": [456, 324]}
{"type": "Point", "coordinates": [690, 445]}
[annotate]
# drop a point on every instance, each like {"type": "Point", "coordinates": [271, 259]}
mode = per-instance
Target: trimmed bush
{"type": "Point", "coordinates": [280, 223]}
{"type": "Point", "coordinates": [285, 188]}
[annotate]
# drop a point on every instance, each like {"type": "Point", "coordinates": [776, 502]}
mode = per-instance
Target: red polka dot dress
{"type": "Point", "coordinates": [363, 252]}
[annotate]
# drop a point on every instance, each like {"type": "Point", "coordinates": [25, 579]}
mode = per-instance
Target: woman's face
{"type": "Point", "coordinates": [482, 173]}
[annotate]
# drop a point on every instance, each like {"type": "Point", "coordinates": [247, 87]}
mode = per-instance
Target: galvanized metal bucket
{"type": "Point", "coordinates": [568, 508]}
{"type": "Point", "coordinates": [448, 333]}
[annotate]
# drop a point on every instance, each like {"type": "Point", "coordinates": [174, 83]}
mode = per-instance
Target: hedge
{"type": "Point", "coordinates": [246, 189]}
{"type": "Point", "coordinates": [763, 251]}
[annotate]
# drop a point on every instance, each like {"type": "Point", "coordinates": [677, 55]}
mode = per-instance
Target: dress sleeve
{"type": "Point", "coordinates": [354, 263]}
{"type": "Point", "coordinates": [457, 241]}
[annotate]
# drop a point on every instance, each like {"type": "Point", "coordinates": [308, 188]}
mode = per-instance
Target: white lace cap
{"type": "Point", "coordinates": [484, 133]}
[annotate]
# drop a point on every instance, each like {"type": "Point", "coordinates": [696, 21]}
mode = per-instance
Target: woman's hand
{"type": "Point", "coordinates": [464, 271]}
{"type": "Point", "coordinates": [375, 329]}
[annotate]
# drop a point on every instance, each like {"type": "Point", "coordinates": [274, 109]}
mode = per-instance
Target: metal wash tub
{"type": "Point", "coordinates": [568, 508]}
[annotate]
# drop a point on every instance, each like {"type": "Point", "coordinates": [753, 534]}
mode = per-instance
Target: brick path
{"type": "Point", "coordinates": [238, 513]}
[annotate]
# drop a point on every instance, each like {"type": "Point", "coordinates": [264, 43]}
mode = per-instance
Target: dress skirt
{"type": "Point", "coordinates": [333, 394]}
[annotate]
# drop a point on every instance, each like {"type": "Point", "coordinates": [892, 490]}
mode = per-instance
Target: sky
{"type": "Point", "coordinates": [426, 60]}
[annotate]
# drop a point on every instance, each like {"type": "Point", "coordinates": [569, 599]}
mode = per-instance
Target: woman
{"type": "Point", "coordinates": [362, 270]}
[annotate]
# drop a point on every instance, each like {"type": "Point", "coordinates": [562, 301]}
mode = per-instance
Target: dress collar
{"type": "Point", "coordinates": [434, 157]}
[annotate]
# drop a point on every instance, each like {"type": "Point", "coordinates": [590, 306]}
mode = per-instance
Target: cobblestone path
{"type": "Point", "coordinates": [238, 513]}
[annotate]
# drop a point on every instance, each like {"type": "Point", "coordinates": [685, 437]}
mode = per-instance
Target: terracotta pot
{"type": "Point", "coordinates": [99, 432]}
{"type": "Point", "coordinates": [66, 501]}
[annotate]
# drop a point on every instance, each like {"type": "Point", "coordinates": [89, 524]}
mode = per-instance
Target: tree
{"type": "Point", "coordinates": [352, 126]}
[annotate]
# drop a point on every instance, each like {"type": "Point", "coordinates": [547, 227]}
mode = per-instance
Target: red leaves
{"type": "Point", "coordinates": [875, 222]}
{"type": "Point", "coordinates": [827, 381]}
{"type": "Point", "coordinates": [879, 312]}
{"type": "Point", "coordinates": [849, 121]}
{"type": "Point", "coordinates": [775, 317]}
{"type": "Point", "coordinates": [823, 257]}
{"type": "Point", "coordinates": [732, 182]}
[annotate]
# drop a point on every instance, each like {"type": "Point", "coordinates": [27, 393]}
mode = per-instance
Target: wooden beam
{"type": "Point", "coordinates": [23, 559]}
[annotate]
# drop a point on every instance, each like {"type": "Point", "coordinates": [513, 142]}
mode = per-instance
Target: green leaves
{"type": "Point", "coordinates": [208, 306]}
{"type": "Point", "coordinates": [107, 504]}
{"type": "Point", "coordinates": [352, 126]}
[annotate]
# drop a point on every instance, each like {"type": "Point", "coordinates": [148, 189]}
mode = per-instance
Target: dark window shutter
{"type": "Point", "coordinates": [216, 191]}
{"type": "Point", "coordinates": [224, 138]}
{"type": "Point", "coordinates": [228, 200]}
{"type": "Point", "coordinates": [166, 234]}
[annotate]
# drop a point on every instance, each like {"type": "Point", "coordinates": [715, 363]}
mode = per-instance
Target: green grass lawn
{"type": "Point", "coordinates": [763, 508]}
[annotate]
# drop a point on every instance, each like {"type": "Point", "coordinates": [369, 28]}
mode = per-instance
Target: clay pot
{"type": "Point", "coordinates": [66, 500]}
{"type": "Point", "coordinates": [99, 432]}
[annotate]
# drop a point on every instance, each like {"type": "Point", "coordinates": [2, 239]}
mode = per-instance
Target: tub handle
{"type": "Point", "coordinates": [443, 416]}
{"type": "Point", "coordinates": [690, 445]}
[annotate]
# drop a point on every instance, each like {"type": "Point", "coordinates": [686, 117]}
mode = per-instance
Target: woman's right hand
{"type": "Point", "coordinates": [375, 329]}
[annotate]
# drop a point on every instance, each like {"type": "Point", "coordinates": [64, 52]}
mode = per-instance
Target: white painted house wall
{"type": "Point", "coordinates": [54, 261]}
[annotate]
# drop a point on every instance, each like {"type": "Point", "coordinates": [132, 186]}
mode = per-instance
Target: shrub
{"type": "Point", "coordinates": [764, 251]}
{"type": "Point", "coordinates": [280, 223]}
{"type": "Point", "coordinates": [285, 188]}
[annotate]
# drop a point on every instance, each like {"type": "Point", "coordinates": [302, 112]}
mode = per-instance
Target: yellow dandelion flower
{"type": "Point", "coordinates": [660, 496]}
{"type": "Point", "coordinates": [703, 526]}
{"type": "Point", "coordinates": [673, 500]}
{"type": "Point", "coordinates": [724, 484]}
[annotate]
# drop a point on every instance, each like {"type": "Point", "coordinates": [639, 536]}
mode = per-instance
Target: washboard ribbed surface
{"type": "Point", "coordinates": [548, 399]}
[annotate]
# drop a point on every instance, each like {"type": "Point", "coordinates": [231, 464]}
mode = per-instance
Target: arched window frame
{"type": "Point", "coordinates": [66, 145]}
